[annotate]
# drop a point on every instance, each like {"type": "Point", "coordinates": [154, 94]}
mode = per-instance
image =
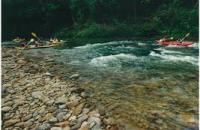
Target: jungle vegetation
{"type": "Point", "coordinates": [99, 18]}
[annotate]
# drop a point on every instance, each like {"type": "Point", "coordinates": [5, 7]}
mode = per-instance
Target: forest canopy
{"type": "Point", "coordinates": [99, 18]}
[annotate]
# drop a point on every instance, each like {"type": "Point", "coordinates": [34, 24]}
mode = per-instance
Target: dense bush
{"type": "Point", "coordinates": [99, 18]}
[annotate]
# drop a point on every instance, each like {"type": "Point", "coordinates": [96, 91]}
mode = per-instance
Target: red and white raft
{"type": "Point", "coordinates": [174, 42]}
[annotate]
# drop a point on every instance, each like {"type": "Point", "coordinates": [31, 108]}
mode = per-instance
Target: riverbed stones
{"type": "Point", "coordinates": [61, 100]}
{"type": "Point", "coordinates": [74, 76]}
{"type": "Point", "coordinates": [85, 126]}
{"type": "Point", "coordinates": [11, 122]}
{"type": "Point", "coordinates": [60, 116]}
{"type": "Point", "coordinates": [37, 99]}
{"type": "Point", "coordinates": [45, 126]}
{"type": "Point", "coordinates": [37, 94]}
{"type": "Point", "coordinates": [53, 120]}
{"type": "Point", "coordinates": [56, 128]}
{"type": "Point", "coordinates": [6, 109]}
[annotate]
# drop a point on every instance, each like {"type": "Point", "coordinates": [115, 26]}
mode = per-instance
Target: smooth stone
{"type": "Point", "coordinates": [20, 124]}
{"type": "Point", "coordinates": [44, 126]}
{"type": "Point", "coordinates": [48, 74]}
{"type": "Point", "coordinates": [85, 126]}
{"type": "Point", "coordinates": [53, 120]}
{"type": "Point", "coordinates": [50, 102]}
{"type": "Point", "coordinates": [37, 94]}
{"type": "Point", "coordinates": [77, 110]}
{"type": "Point", "coordinates": [56, 128]}
{"type": "Point", "coordinates": [62, 124]}
{"type": "Point", "coordinates": [108, 121]}
{"type": "Point", "coordinates": [28, 123]}
{"type": "Point", "coordinates": [11, 122]}
{"type": "Point", "coordinates": [66, 128]}
{"type": "Point", "coordinates": [95, 123]}
{"type": "Point", "coordinates": [82, 118]}
{"type": "Point", "coordinates": [61, 100]}
{"type": "Point", "coordinates": [61, 115]}
{"type": "Point", "coordinates": [74, 76]}
{"type": "Point", "coordinates": [27, 117]}
{"type": "Point", "coordinates": [76, 126]}
{"type": "Point", "coordinates": [62, 106]}
{"type": "Point", "coordinates": [86, 110]}
{"type": "Point", "coordinates": [73, 103]}
{"type": "Point", "coordinates": [6, 109]}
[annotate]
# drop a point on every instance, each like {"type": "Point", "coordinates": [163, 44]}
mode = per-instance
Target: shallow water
{"type": "Point", "coordinates": [139, 83]}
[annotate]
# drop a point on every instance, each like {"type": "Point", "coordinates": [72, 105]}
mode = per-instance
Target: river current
{"type": "Point", "coordinates": [140, 84]}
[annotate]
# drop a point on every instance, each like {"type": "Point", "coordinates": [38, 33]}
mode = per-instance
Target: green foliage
{"type": "Point", "coordinates": [99, 18]}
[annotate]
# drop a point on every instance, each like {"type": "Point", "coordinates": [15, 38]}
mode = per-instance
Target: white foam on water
{"type": "Point", "coordinates": [141, 44]}
{"type": "Point", "coordinates": [103, 44]}
{"type": "Point", "coordinates": [194, 45]}
{"type": "Point", "coordinates": [176, 58]}
{"type": "Point", "coordinates": [105, 60]}
{"type": "Point", "coordinates": [165, 51]}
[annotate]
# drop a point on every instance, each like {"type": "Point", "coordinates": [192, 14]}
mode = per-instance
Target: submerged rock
{"type": "Point", "coordinates": [74, 76]}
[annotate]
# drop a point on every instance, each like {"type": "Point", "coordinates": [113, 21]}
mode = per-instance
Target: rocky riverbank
{"type": "Point", "coordinates": [34, 98]}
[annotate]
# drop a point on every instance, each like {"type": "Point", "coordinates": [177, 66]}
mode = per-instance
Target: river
{"type": "Point", "coordinates": [139, 83]}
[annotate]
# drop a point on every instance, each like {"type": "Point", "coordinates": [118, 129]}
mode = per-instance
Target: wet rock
{"type": "Point", "coordinates": [50, 102]}
{"type": "Point", "coordinates": [61, 100]}
{"type": "Point", "coordinates": [6, 109]}
{"type": "Point", "coordinates": [159, 121]}
{"type": "Point", "coordinates": [37, 94]}
{"type": "Point", "coordinates": [84, 126]}
{"type": "Point", "coordinates": [74, 76]}
{"type": "Point", "coordinates": [11, 122]}
{"type": "Point", "coordinates": [66, 128]}
{"type": "Point", "coordinates": [48, 74]}
{"type": "Point", "coordinates": [95, 123]}
{"type": "Point", "coordinates": [28, 123]}
{"type": "Point", "coordinates": [73, 103]}
{"type": "Point", "coordinates": [62, 124]}
{"type": "Point", "coordinates": [20, 124]}
{"type": "Point", "coordinates": [56, 128]}
{"type": "Point", "coordinates": [53, 120]}
{"type": "Point", "coordinates": [44, 126]}
{"type": "Point", "coordinates": [60, 116]}
{"type": "Point", "coordinates": [61, 106]}
{"type": "Point", "coordinates": [21, 61]}
{"type": "Point", "coordinates": [77, 110]}
{"type": "Point", "coordinates": [108, 121]}
{"type": "Point", "coordinates": [76, 126]}
{"type": "Point", "coordinates": [82, 118]}
{"type": "Point", "coordinates": [27, 117]}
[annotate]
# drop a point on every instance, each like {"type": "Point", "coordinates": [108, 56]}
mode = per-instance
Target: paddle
{"type": "Point", "coordinates": [34, 35]}
{"type": "Point", "coordinates": [184, 37]}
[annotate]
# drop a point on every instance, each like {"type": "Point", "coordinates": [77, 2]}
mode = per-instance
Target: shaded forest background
{"type": "Point", "coordinates": [99, 18]}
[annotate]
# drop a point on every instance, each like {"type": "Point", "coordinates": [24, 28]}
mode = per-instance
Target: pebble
{"type": "Point", "coordinates": [74, 76]}
{"type": "Point", "coordinates": [109, 121]}
{"type": "Point", "coordinates": [36, 99]}
{"type": "Point", "coordinates": [56, 128]}
{"type": "Point", "coordinates": [6, 109]}
{"type": "Point", "coordinates": [62, 106]}
{"type": "Point", "coordinates": [84, 126]}
{"type": "Point", "coordinates": [95, 123]}
{"type": "Point", "coordinates": [53, 120]}
{"type": "Point", "coordinates": [77, 110]}
{"type": "Point", "coordinates": [66, 128]}
{"type": "Point", "coordinates": [44, 126]}
{"type": "Point", "coordinates": [11, 122]}
{"type": "Point", "coordinates": [61, 115]}
{"type": "Point", "coordinates": [62, 124]}
{"type": "Point", "coordinates": [73, 103]}
{"type": "Point", "coordinates": [61, 100]}
{"type": "Point", "coordinates": [37, 94]}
